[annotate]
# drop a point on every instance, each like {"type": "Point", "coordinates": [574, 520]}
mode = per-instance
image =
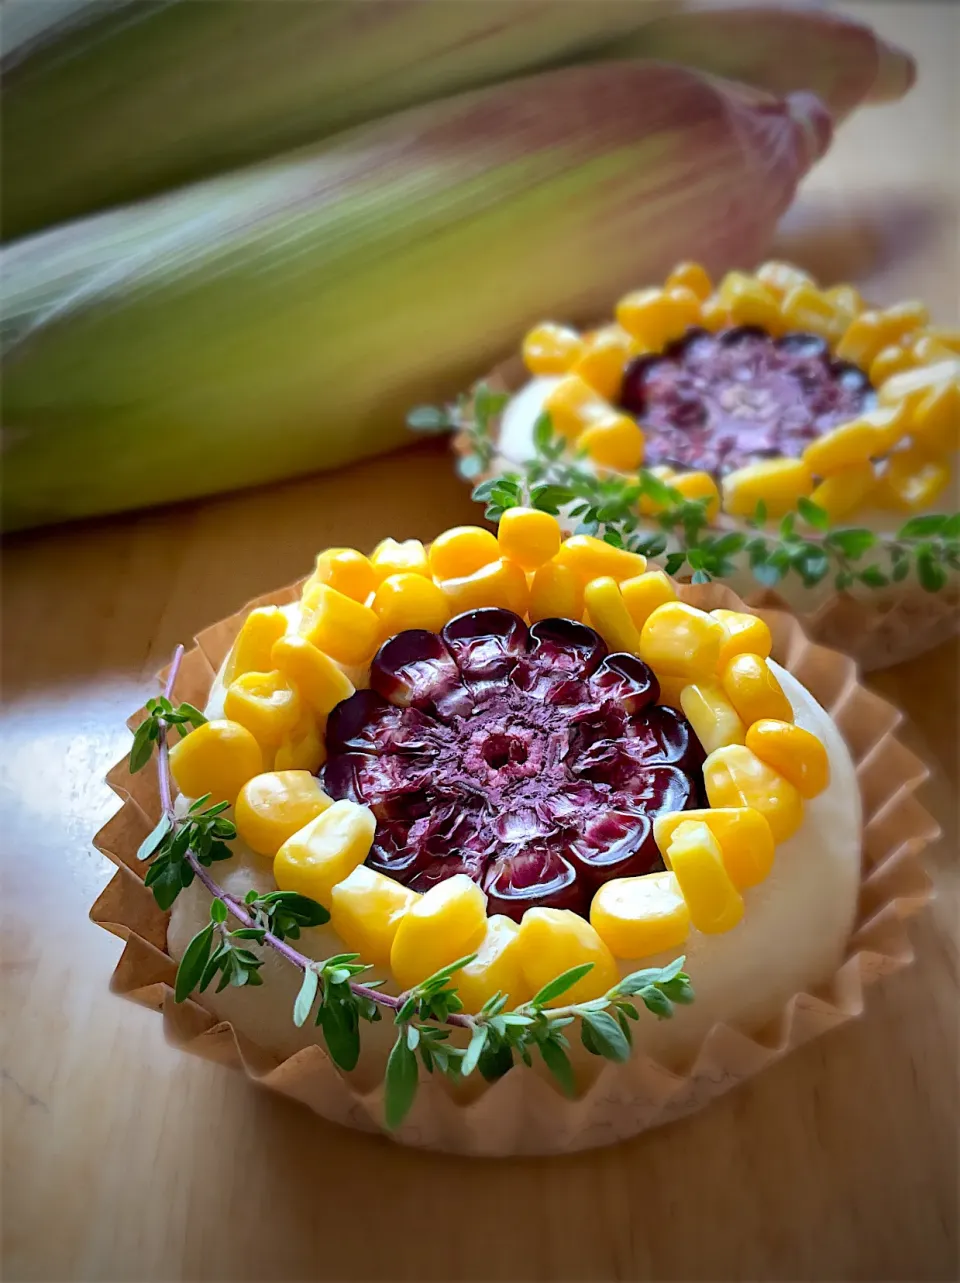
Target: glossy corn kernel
{"type": "Point", "coordinates": [644, 593]}
{"type": "Point", "coordinates": [573, 405]}
{"type": "Point", "coordinates": [799, 756]}
{"type": "Point", "coordinates": [271, 807]}
{"type": "Point", "coordinates": [251, 650]}
{"type": "Point", "coordinates": [780, 278]}
{"type": "Point", "coordinates": [462, 550]}
{"type": "Point", "coordinates": [847, 300]}
{"type": "Point", "coordinates": [714, 315]}
{"type": "Point", "coordinates": [635, 917]}
{"type": "Point", "coordinates": [346, 630]}
{"type": "Point", "coordinates": [265, 703]}
{"type": "Point", "coordinates": [743, 635]}
{"type": "Point", "coordinates": [217, 758]}
{"type": "Point", "coordinates": [869, 436]}
{"type": "Point", "coordinates": [698, 485]}
{"type": "Point", "coordinates": [863, 340]}
{"type": "Point", "coordinates": [613, 442]}
{"type": "Point", "coordinates": [446, 923]}
{"type": "Point", "coordinates": [913, 386]}
{"type": "Point", "coordinates": [555, 593]}
{"type": "Point", "coordinates": [325, 850]}
{"type": "Point", "coordinates": [753, 690]}
{"type": "Point", "coordinates": [735, 776]}
{"type": "Point", "coordinates": [647, 505]}
{"type": "Point", "coordinates": [694, 856]}
{"type": "Point", "coordinates": [902, 319]}
{"type": "Point", "coordinates": [691, 276]}
{"type": "Point", "coordinates": [365, 911]}
{"type": "Point", "coordinates": [746, 842]}
{"type": "Point", "coordinates": [912, 481]}
{"type": "Point", "coordinates": [890, 360]}
{"type": "Point", "coordinates": [608, 614]}
{"type": "Point", "coordinates": [928, 349]}
{"type": "Point", "coordinates": [496, 968]}
{"type": "Point", "coordinates": [302, 748]}
{"type": "Point", "coordinates": [845, 490]}
{"type": "Point", "coordinates": [678, 640]}
{"type": "Point", "coordinates": [603, 359]}
{"type": "Point", "coordinates": [410, 601]}
{"type": "Point", "coordinates": [778, 483]}
{"type": "Point", "coordinates": [501, 583]}
{"type": "Point", "coordinates": [528, 536]}
{"type": "Point", "coordinates": [750, 302]}
{"type": "Point", "coordinates": [935, 424]}
{"type": "Point", "coordinates": [554, 940]}
{"type": "Point", "coordinates": [715, 721]}
{"type": "Point", "coordinates": [551, 349]}
{"type": "Point", "coordinates": [393, 558]}
{"type": "Point", "coordinates": [345, 569]}
{"type": "Point", "coordinates": [320, 682]}
{"type": "Point", "coordinates": [591, 558]}
{"type": "Point", "coordinates": [946, 337]}
{"type": "Point", "coordinates": [671, 688]}
{"type": "Point", "coordinates": [656, 316]}
{"type": "Point", "coordinates": [807, 308]}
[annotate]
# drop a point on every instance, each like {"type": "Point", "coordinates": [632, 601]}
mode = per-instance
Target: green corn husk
{"type": "Point", "coordinates": [129, 98]}
{"type": "Point", "coordinates": [282, 319]}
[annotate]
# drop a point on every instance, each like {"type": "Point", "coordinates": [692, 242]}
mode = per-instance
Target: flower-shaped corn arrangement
{"type": "Point", "coordinates": [775, 389]}
{"type": "Point", "coordinates": [412, 754]}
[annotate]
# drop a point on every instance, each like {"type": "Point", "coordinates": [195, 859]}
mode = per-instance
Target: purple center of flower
{"type": "Point", "coordinates": [720, 401]}
{"type": "Point", "coordinates": [528, 759]}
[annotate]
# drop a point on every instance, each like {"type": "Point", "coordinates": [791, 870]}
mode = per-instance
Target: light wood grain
{"type": "Point", "coordinates": [126, 1161]}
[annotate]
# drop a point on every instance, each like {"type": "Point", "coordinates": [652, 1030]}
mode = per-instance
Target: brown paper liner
{"type": "Point", "coordinates": [522, 1113]}
{"type": "Point", "coordinates": [896, 624]}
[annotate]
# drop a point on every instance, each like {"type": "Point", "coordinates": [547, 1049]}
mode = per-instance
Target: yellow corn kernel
{"type": "Point", "coordinates": [501, 583]}
{"type": "Point", "coordinates": [635, 917]}
{"type": "Point", "coordinates": [446, 923]}
{"type": "Point", "coordinates": [345, 569]}
{"type": "Point", "coordinates": [778, 483]}
{"type": "Point", "coordinates": [912, 481]}
{"type": "Point", "coordinates": [318, 679]}
{"type": "Point", "coordinates": [678, 640]}
{"type": "Point", "coordinates": [903, 318]}
{"type": "Point", "coordinates": [614, 442]}
{"type": "Point", "coordinates": [780, 278]}
{"type": "Point", "coordinates": [251, 650]}
{"type": "Point", "coordinates": [573, 405]}
{"type": "Point", "coordinates": [867, 437]}
{"type": "Point", "coordinates": [743, 635]}
{"type": "Point", "coordinates": [528, 536]}
{"type": "Point", "coordinates": [325, 850]}
{"type": "Point", "coordinates": [754, 691]}
{"type": "Point", "coordinates": [272, 806]}
{"type": "Point", "coordinates": [657, 316]}
{"type": "Point", "coordinates": [847, 300]}
{"type": "Point", "coordinates": [890, 360]}
{"type": "Point", "coordinates": [671, 688]}
{"type": "Point", "coordinates": [948, 338]}
{"type": "Point", "coordinates": [735, 776]}
{"type": "Point", "coordinates": [644, 593]}
{"type": "Point", "coordinates": [691, 276]}
{"type": "Point", "coordinates": [302, 748]}
{"type": "Point", "coordinates": [555, 593]}
{"type": "Point", "coordinates": [714, 315]}
{"type": "Point", "coordinates": [265, 703]}
{"type": "Point", "coordinates": [797, 754]}
{"type": "Point", "coordinates": [495, 969]}
{"type": "Point", "coordinates": [393, 558]}
{"type": "Point", "coordinates": [217, 758]}
{"type": "Point", "coordinates": [695, 858]}
{"type": "Point", "coordinates": [912, 386]}
{"type": "Point", "coordinates": [845, 490]}
{"type": "Point", "coordinates": [807, 308]}
{"type": "Point", "coordinates": [750, 302]}
{"type": "Point", "coordinates": [698, 485]}
{"type": "Point", "coordinates": [410, 601]}
{"type": "Point", "coordinates": [346, 630]}
{"type": "Point", "coordinates": [462, 550]}
{"type": "Point", "coordinates": [603, 359]}
{"type": "Point", "coordinates": [936, 420]}
{"type": "Point", "coordinates": [551, 349]}
{"type": "Point", "coordinates": [863, 340]}
{"type": "Point", "coordinates": [927, 349]}
{"type": "Point", "coordinates": [365, 911]}
{"type": "Point", "coordinates": [746, 841]}
{"type": "Point", "coordinates": [649, 506]}
{"type": "Point", "coordinates": [609, 615]}
{"type": "Point", "coordinates": [554, 940]}
{"type": "Point", "coordinates": [591, 558]}
{"type": "Point", "coordinates": [715, 721]}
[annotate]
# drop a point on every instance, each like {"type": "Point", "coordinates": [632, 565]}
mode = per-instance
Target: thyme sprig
{"type": "Point", "coordinates": [182, 848]}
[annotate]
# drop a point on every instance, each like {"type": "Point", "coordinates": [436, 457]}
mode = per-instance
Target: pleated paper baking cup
{"type": "Point", "coordinates": [881, 627]}
{"type": "Point", "coordinates": [523, 1113]}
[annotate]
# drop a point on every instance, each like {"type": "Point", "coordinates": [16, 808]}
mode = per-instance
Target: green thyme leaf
{"type": "Point", "coordinates": [142, 748]}
{"type": "Point", "coordinates": [922, 527]}
{"type": "Point", "coordinates": [429, 418]}
{"type": "Point", "coordinates": [608, 1038]}
{"type": "Point", "coordinates": [192, 963]}
{"type": "Point", "coordinates": [655, 1000]}
{"type": "Point", "coordinates": [154, 838]}
{"type": "Point", "coordinates": [929, 571]}
{"type": "Point", "coordinates": [813, 514]}
{"type": "Point", "coordinates": [305, 998]}
{"type": "Point", "coordinates": [478, 1040]}
{"type": "Point", "coordinates": [560, 984]}
{"type": "Point", "coordinates": [400, 1083]}
{"type": "Point", "coordinates": [558, 1062]}
{"type": "Point", "coordinates": [338, 1017]}
{"type": "Point", "coordinates": [218, 910]}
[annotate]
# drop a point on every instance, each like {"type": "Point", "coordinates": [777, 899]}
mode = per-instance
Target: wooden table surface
{"type": "Point", "coordinates": [124, 1160]}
